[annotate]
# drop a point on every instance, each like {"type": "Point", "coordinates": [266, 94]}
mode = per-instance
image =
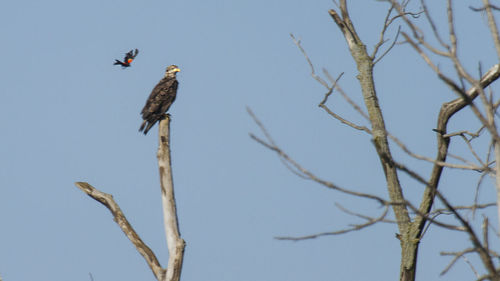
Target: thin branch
{"type": "Point", "coordinates": [431, 160]}
{"type": "Point", "coordinates": [433, 25]}
{"type": "Point", "coordinates": [471, 149]}
{"type": "Point", "coordinates": [471, 266]}
{"type": "Point", "coordinates": [381, 41]}
{"type": "Point", "coordinates": [484, 168]}
{"type": "Point", "coordinates": [270, 144]}
{"type": "Point", "coordinates": [390, 47]}
{"type": "Point", "coordinates": [483, 253]}
{"type": "Point", "coordinates": [365, 217]}
{"type": "Point", "coordinates": [493, 7]}
{"type": "Point", "coordinates": [313, 73]}
{"type": "Point", "coordinates": [456, 256]}
{"type": "Point", "coordinates": [347, 98]}
{"type": "Point", "coordinates": [431, 218]}
{"type": "Point", "coordinates": [486, 242]}
{"type": "Point", "coordinates": [492, 25]}
{"type": "Point", "coordinates": [464, 132]}
{"type": "Point", "coordinates": [472, 207]}
{"type": "Point", "coordinates": [387, 22]}
{"type": "Point", "coordinates": [354, 227]}
{"type": "Point", "coordinates": [476, 193]}
{"type": "Point", "coordinates": [451, 29]}
{"type": "Point", "coordinates": [330, 89]}
{"type": "Point", "coordinates": [345, 121]}
{"type": "Point", "coordinates": [417, 32]}
{"type": "Point", "coordinates": [428, 225]}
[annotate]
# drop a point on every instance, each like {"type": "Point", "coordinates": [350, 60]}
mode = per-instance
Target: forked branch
{"type": "Point", "coordinates": [175, 243]}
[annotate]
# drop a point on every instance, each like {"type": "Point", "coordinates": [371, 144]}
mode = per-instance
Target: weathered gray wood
{"type": "Point", "coordinates": [175, 243]}
{"type": "Point", "coordinates": [118, 216]}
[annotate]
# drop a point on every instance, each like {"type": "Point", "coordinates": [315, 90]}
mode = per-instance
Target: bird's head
{"type": "Point", "coordinates": [172, 70]}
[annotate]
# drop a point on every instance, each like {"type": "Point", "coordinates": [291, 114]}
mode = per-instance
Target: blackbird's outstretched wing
{"type": "Point", "coordinates": [128, 56]}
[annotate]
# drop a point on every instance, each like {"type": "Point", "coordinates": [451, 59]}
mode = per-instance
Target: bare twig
{"type": "Point", "coordinates": [387, 22]}
{"type": "Point", "coordinates": [486, 242]}
{"type": "Point", "coordinates": [492, 25]}
{"type": "Point", "coordinates": [345, 121]}
{"type": "Point", "coordinates": [365, 217]}
{"type": "Point", "coordinates": [431, 160]}
{"type": "Point", "coordinates": [354, 227]}
{"type": "Point", "coordinates": [476, 193]}
{"type": "Point", "coordinates": [390, 47]}
{"type": "Point", "coordinates": [463, 132]}
{"type": "Point", "coordinates": [270, 144]}
{"type": "Point", "coordinates": [456, 256]}
{"type": "Point", "coordinates": [330, 89]}
{"type": "Point", "coordinates": [433, 25]}
{"type": "Point", "coordinates": [493, 7]}
{"type": "Point", "coordinates": [313, 73]}
{"type": "Point", "coordinates": [458, 208]}
{"type": "Point", "coordinates": [471, 149]}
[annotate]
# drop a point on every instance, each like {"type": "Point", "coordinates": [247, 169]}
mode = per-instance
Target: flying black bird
{"type": "Point", "coordinates": [129, 57]}
{"type": "Point", "coordinates": [160, 99]}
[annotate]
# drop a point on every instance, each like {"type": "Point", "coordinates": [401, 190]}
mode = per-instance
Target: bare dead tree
{"type": "Point", "coordinates": [413, 221]}
{"type": "Point", "coordinates": [175, 243]}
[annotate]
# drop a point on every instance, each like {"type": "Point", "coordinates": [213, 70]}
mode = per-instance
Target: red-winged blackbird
{"type": "Point", "coordinates": [160, 99]}
{"type": "Point", "coordinates": [129, 57]}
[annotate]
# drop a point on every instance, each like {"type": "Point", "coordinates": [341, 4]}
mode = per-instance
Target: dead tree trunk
{"type": "Point", "coordinates": [175, 243]}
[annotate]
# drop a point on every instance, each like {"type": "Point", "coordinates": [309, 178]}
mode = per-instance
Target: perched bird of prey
{"type": "Point", "coordinates": [160, 99]}
{"type": "Point", "coordinates": [129, 57]}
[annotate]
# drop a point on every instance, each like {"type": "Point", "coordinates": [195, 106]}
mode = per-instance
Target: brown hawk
{"type": "Point", "coordinates": [160, 99]}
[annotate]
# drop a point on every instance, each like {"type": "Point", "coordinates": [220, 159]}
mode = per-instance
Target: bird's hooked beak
{"type": "Point", "coordinates": [177, 70]}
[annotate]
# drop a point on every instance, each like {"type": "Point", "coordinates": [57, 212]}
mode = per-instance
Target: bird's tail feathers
{"type": "Point", "coordinates": [142, 127]}
{"type": "Point", "coordinates": [148, 127]}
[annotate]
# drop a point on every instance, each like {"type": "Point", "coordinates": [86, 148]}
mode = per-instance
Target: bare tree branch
{"type": "Point", "coordinates": [354, 227]}
{"type": "Point", "coordinates": [456, 256]}
{"type": "Point", "coordinates": [492, 25]}
{"type": "Point", "coordinates": [493, 7]}
{"type": "Point", "coordinates": [270, 144]}
{"type": "Point", "coordinates": [389, 48]}
{"type": "Point", "coordinates": [313, 73]}
{"type": "Point", "coordinates": [108, 201]}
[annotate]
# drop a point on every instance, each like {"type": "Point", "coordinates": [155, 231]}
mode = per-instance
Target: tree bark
{"type": "Point", "coordinates": [175, 243]}
{"type": "Point", "coordinates": [108, 201]}
{"type": "Point", "coordinates": [364, 63]}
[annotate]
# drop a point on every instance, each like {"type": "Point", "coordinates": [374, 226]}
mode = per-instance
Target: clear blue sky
{"type": "Point", "coordinates": [67, 114]}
